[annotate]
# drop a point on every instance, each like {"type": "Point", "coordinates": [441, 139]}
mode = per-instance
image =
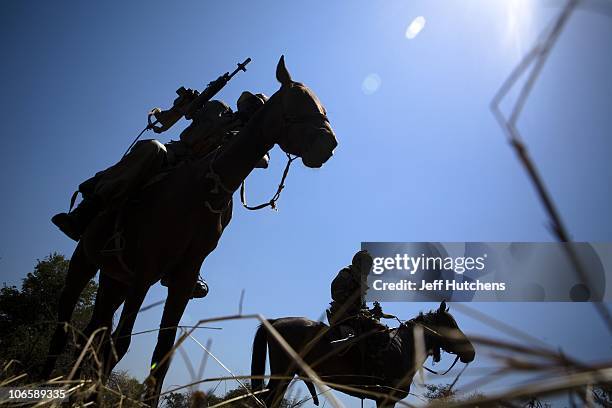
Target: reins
{"type": "Point", "coordinates": [275, 197]}
{"type": "Point", "coordinates": [445, 372]}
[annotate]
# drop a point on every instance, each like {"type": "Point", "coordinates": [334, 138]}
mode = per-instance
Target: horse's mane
{"type": "Point", "coordinates": [426, 318]}
{"type": "Point", "coordinates": [429, 317]}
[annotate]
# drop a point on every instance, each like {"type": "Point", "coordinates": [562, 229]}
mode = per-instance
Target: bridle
{"type": "Point", "coordinates": [305, 118]}
{"type": "Point", "coordinates": [427, 328]}
{"type": "Point", "coordinates": [287, 120]}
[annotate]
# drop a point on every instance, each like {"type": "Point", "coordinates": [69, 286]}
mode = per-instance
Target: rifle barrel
{"type": "Point", "coordinates": [241, 67]}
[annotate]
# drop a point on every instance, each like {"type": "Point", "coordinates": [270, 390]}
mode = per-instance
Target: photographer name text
{"type": "Point", "coordinates": [437, 285]}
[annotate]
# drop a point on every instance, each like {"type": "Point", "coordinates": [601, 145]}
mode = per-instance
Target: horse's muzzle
{"type": "Point", "coordinates": [467, 357]}
{"type": "Point", "coordinates": [320, 150]}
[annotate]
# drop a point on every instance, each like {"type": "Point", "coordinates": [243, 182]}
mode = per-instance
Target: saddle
{"type": "Point", "coordinates": [358, 329]}
{"type": "Point", "coordinates": [110, 223]}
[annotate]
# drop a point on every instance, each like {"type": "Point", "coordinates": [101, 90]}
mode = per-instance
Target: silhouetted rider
{"type": "Point", "coordinates": [350, 320]}
{"type": "Point", "coordinates": [348, 291]}
{"type": "Point", "coordinates": [212, 125]}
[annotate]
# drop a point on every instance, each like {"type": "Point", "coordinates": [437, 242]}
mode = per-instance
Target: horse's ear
{"type": "Point", "coordinates": [442, 307]}
{"type": "Point", "coordinates": [282, 75]}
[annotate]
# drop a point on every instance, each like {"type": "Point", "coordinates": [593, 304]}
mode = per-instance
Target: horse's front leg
{"type": "Point", "coordinates": [179, 292]}
{"type": "Point", "coordinates": [80, 271]}
{"type": "Point", "coordinates": [111, 294]}
{"type": "Point", "coordinates": [122, 336]}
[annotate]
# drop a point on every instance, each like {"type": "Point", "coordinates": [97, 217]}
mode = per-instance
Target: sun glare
{"type": "Point", "coordinates": [519, 16]}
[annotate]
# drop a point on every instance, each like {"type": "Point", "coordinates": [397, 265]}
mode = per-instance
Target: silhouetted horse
{"type": "Point", "coordinates": [396, 362]}
{"type": "Point", "coordinates": [178, 221]}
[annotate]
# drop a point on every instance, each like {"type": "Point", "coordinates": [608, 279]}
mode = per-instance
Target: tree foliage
{"type": "Point", "coordinates": [122, 390]}
{"type": "Point", "coordinates": [602, 395]}
{"type": "Point", "coordinates": [443, 394]}
{"type": "Point", "coordinates": [199, 399]}
{"type": "Point", "coordinates": [439, 392]}
{"type": "Point", "coordinates": [28, 314]}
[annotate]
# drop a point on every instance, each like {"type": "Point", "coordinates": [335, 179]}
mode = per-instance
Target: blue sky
{"type": "Point", "coordinates": [419, 159]}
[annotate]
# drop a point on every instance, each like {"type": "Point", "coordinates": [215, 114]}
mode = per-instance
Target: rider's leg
{"type": "Point", "coordinates": [112, 186]}
{"type": "Point", "coordinates": [146, 158]}
{"type": "Point", "coordinates": [74, 223]}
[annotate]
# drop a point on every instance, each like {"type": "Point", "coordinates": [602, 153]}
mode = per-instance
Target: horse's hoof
{"type": "Point", "coordinates": [200, 290]}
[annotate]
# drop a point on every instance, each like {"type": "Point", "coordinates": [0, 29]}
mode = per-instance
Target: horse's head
{"type": "Point", "coordinates": [447, 334]}
{"type": "Point", "coordinates": [304, 130]}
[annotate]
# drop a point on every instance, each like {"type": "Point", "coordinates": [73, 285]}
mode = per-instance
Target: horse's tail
{"type": "Point", "coordinates": [258, 358]}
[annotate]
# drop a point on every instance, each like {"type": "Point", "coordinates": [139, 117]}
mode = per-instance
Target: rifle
{"type": "Point", "coordinates": [186, 104]}
{"type": "Point", "coordinates": [189, 102]}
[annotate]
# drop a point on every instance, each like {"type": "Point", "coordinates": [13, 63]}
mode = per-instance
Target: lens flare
{"type": "Point", "coordinates": [370, 84]}
{"type": "Point", "coordinates": [415, 27]}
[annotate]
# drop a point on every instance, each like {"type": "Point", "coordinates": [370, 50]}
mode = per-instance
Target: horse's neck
{"type": "Point", "coordinates": [238, 158]}
{"type": "Point", "coordinates": [412, 357]}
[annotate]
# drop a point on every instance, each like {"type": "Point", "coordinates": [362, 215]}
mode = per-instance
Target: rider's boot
{"type": "Point", "coordinates": [74, 223]}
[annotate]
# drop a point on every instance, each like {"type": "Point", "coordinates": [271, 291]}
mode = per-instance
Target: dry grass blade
{"type": "Point", "coordinates": [241, 302]}
{"type": "Point", "coordinates": [300, 362]}
{"type": "Point", "coordinates": [87, 346]}
{"type": "Point", "coordinates": [419, 350]}
{"type": "Point", "coordinates": [204, 359]}
{"type": "Point", "coordinates": [537, 57]}
{"type": "Point", "coordinates": [545, 387]}
{"type": "Point", "coordinates": [497, 324]}
{"type": "Point", "coordinates": [170, 328]}
{"type": "Point", "coordinates": [272, 331]}
{"type": "Point", "coordinates": [207, 351]}
{"type": "Point", "coordinates": [13, 379]}
{"type": "Point", "coordinates": [188, 364]}
{"type": "Point", "coordinates": [560, 373]}
{"type": "Point", "coordinates": [356, 387]}
{"type": "Point", "coordinates": [235, 399]}
{"type": "Point", "coordinates": [361, 389]}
